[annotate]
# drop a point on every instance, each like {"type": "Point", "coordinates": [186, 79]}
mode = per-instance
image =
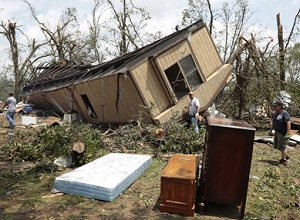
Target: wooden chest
{"type": "Point", "coordinates": [179, 184]}
{"type": "Point", "coordinates": [226, 162]}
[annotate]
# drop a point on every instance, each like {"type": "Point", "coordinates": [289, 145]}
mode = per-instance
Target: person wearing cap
{"type": "Point", "coordinates": [194, 108]}
{"type": "Point", "coordinates": [282, 125]}
{"type": "Point", "coordinates": [11, 109]}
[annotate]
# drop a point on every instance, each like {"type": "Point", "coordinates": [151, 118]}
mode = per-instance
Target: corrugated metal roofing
{"type": "Point", "coordinates": [56, 75]}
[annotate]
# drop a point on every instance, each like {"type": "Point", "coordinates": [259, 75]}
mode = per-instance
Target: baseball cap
{"type": "Point", "coordinates": [277, 102]}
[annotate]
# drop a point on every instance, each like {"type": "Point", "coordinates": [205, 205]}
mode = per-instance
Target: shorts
{"type": "Point", "coordinates": [279, 142]}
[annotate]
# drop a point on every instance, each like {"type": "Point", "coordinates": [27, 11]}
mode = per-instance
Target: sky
{"type": "Point", "coordinates": [166, 14]}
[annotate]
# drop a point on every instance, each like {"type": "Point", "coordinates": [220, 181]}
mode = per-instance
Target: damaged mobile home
{"type": "Point", "coordinates": [155, 79]}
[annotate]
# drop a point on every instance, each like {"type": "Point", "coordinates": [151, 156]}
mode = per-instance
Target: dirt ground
{"type": "Point", "coordinates": [30, 197]}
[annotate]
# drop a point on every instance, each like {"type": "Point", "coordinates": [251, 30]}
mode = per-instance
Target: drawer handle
{"type": "Point", "coordinates": [185, 159]}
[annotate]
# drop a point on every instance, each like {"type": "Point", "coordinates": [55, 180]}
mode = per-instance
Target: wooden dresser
{"type": "Point", "coordinates": [179, 182]}
{"type": "Point", "coordinates": [226, 162]}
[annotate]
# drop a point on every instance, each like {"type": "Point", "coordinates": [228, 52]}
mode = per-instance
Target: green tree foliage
{"type": "Point", "coordinates": [48, 143]}
{"type": "Point", "coordinates": [293, 76]}
{"type": "Point", "coordinates": [197, 9]}
{"type": "Point", "coordinates": [293, 64]}
{"type": "Point", "coordinates": [6, 86]}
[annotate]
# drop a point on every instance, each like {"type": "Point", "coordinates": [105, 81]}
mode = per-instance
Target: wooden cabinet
{"type": "Point", "coordinates": [179, 185]}
{"type": "Point", "coordinates": [226, 162]}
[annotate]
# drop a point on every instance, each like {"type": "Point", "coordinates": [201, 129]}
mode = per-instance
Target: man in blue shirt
{"type": "Point", "coordinates": [282, 125]}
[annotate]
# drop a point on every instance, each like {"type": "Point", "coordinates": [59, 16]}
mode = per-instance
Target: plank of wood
{"type": "Point", "coordinates": [292, 132]}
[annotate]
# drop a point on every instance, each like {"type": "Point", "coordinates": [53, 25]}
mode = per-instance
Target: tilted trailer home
{"type": "Point", "coordinates": [151, 83]}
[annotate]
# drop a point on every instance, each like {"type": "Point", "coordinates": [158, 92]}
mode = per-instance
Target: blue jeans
{"type": "Point", "coordinates": [194, 123]}
{"type": "Point", "coordinates": [10, 117]}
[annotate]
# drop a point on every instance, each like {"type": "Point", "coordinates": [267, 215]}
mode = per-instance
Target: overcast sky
{"type": "Point", "coordinates": [165, 14]}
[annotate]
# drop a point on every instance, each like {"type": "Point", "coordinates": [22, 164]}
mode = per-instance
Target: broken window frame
{"type": "Point", "coordinates": [180, 73]}
{"type": "Point", "coordinates": [191, 73]}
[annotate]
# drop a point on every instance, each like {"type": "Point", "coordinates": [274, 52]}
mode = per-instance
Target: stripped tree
{"type": "Point", "coordinates": [259, 66]}
{"type": "Point", "coordinates": [129, 22]}
{"type": "Point", "coordinates": [94, 41]}
{"type": "Point", "coordinates": [20, 67]}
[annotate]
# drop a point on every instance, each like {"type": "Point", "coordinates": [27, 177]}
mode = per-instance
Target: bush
{"type": "Point", "coordinates": [49, 143]}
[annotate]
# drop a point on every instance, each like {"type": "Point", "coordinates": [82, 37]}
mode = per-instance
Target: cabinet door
{"type": "Point", "coordinates": [178, 193]}
{"type": "Point", "coordinates": [227, 165]}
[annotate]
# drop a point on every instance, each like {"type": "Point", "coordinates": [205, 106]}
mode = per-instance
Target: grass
{"type": "Point", "coordinates": [273, 192]}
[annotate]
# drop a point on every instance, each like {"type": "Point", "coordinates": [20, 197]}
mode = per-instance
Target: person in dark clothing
{"type": "Point", "coordinates": [282, 125]}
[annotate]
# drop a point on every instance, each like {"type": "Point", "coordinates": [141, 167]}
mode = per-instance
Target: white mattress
{"type": "Point", "coordinates": [104, 178]}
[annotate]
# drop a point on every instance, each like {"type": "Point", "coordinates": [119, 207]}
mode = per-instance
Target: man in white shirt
{"type": "Point", "coordinates": [194, 108]}
{"type": "Point", "coordinates": [11, 109]}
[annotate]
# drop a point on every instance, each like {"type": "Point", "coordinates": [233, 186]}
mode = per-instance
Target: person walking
{"type": "Point", "coordinates": [282, 125]}
{"type": "Point", "coordinates": [10, 103]}
{"type": "Point", "coordinates": [194, 108]}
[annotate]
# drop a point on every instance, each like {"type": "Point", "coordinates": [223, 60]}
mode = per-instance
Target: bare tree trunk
{"type": "Point", "coordinates": [11, 36]}
{"type": "Point", "coordinates": [292, 30]}
{"type": "Point", "coordinates": [281, 53]}
{"type": "Point", "coordinates": [94, 27]}
{"type": "Point", "coordinates": [211, 17]}
{"type": "Point", "coordinates": [123, 48]}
